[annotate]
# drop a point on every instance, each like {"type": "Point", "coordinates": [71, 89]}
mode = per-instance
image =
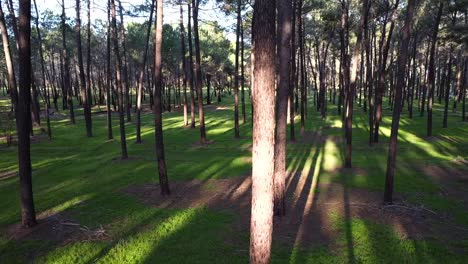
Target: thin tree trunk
{"type": "Point", "coordinates": [108, 75]}
{"type": "Point", "coordinates": [198, 74]}
{"type": "Point", "coordinates": [142, 74]}
{"type": "Point", "coordinates": [402, 62]}
{"type": "Point", "coordinates": [431, 73]}
{"type": "Point", "coordinates": [184, 62]}
{"type": "Point", "coordinates": [8, 60]}
{"type": "Point", "coordinates": [163, 181]}
{"type": "Point", "coordinates": [84, 92]}
{"type": "Point", "coordinates": [191, 73]}
{"type": "Point", "coordinates": [41, 55]}
{"type": "Point", "coordinates": [236, 74]}
{"type": "Point", "coordinates": [66, 68]}
{"type": "Point", "coordinates": [285, 30]}
{"type": "Point", "coordinates": [123, 140]}
{"type": "Point", "coordinates": [292, 132]}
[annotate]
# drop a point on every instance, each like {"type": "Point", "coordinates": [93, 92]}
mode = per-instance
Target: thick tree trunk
{"type": "Point", "coordinates": [402, 62]}
{"type": "Point", "coordinates": [264, 40]}
{"type": "Point", "coordinates": [163, 181]}
{"type": "Point", "coordinates": [28, 214]}
{"type": "Point", "coordinates": [285, 30]}
{"type": "Point", "coordinates": [119, 84]}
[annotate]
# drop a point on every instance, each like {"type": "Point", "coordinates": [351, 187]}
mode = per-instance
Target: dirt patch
{"type": "Point", "coordinates": [56, 227]}
{"type": "Point", "coordinates": [452, 181]}
{"type": "Point", "coordinates": [309, 205]}
{"type": "Point", "coordinates": [198, 144]}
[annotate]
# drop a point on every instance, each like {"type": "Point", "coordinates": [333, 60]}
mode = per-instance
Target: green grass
{"type": "Point", "coordinates": [83, 177]}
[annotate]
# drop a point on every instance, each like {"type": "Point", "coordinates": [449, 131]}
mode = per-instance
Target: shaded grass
{"type": "Point", "coordinates": [82, 177]}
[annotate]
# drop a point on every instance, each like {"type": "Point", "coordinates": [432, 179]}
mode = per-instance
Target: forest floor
{"type": "Point", "coordinates": [95, 208]}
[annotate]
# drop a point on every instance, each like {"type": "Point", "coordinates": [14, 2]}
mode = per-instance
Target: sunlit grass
{"type": "Point", "coordinates": [83, 177]}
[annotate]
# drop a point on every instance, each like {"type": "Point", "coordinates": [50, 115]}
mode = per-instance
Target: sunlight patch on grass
{"type": "Point", "coordinates": [331, 160]}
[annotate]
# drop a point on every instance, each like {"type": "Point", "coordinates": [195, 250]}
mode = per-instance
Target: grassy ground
{"type": "Point", "coordinates": [83, 178]}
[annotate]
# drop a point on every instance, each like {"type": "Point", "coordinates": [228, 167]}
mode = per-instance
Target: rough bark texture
{"type": "Point", "coordinates": [163, 181]}
{"type": "Point", "coordinates": [264, 40]}
{"type": "Point", "coordinates": [285, 30]}
{"type": "Point", "coordinates": [402, 62]}
{"type": "Point", "coordinates": [28, 214]}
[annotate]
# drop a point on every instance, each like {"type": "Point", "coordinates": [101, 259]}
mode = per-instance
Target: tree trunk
{"type": "Point", "coordinates": [292, 115]}
{"type": "Point", "coordinates": [41, 58]}
{"type": "Point", "coordinates": [125, 82]}
{"type": "Point", "coordinates": [431, 73]}
{"type": "Point", "coordinates": [67, 88]}
{"type": "Point", "coordinates": [198, 74]}
{"type": "Point", "coordinates": [84, 93]}
{"type": "Point", "coordinates": [163, 181]}
{"type": "Point", "coordinates": [108, 74]}
{"type": "Point", "coordinates": [264, 40]}
{"type": "Point", "coordinates": [141, 76]}
{"type": "Point", "coordinates": [28, 214]}
{"type": "Point", "coordinates": [402, 62]}
{"type": "Point", "coordinates": [184, 62]}
{"type": "Point", "coordinates": [191, 73]}
{"type": "Point", "coordinates": [284, 24]}
{"type": "Point", "coordinates": [242, 75]}
{"type": "Point", "coordinates": [236, 73]}
{"type": "Point", "coordinates": [8, 60]}
{"type": "Point", "coordinates": [123, 140]}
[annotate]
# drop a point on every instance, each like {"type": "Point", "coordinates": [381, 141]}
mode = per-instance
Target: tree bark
{"type": "Point", "coordinates": [198, 74]}
{"type": "Point", "coordinates": [402, 62]}
{"type": "Point", "coordinates": [142, 74]}
{"type": "Point", "coordinates": [184, 62]}
{"type": "Point", "coordinates": [236, 74]}
{"type": "Point", "coordinates": [28, 214]}
{"type": "Point", "coordinates": [191, 73]}
{"type": "Point", "coordinates": [431, 73]}
{"type": "Point", "coordinates": [8, 60]}
{"type": "Point", "coordinates": [123, 140]}
{"type": "Point", "coordinates": [67, 87]}
{"type": "Point", "coordinates": [84, 92]}
{"type": "Point", "coordinates": [285, 30]}
{"type": "Point", "coordinates": [163, 181]}
{"type": "Point", "coordinates": [264, 40]}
